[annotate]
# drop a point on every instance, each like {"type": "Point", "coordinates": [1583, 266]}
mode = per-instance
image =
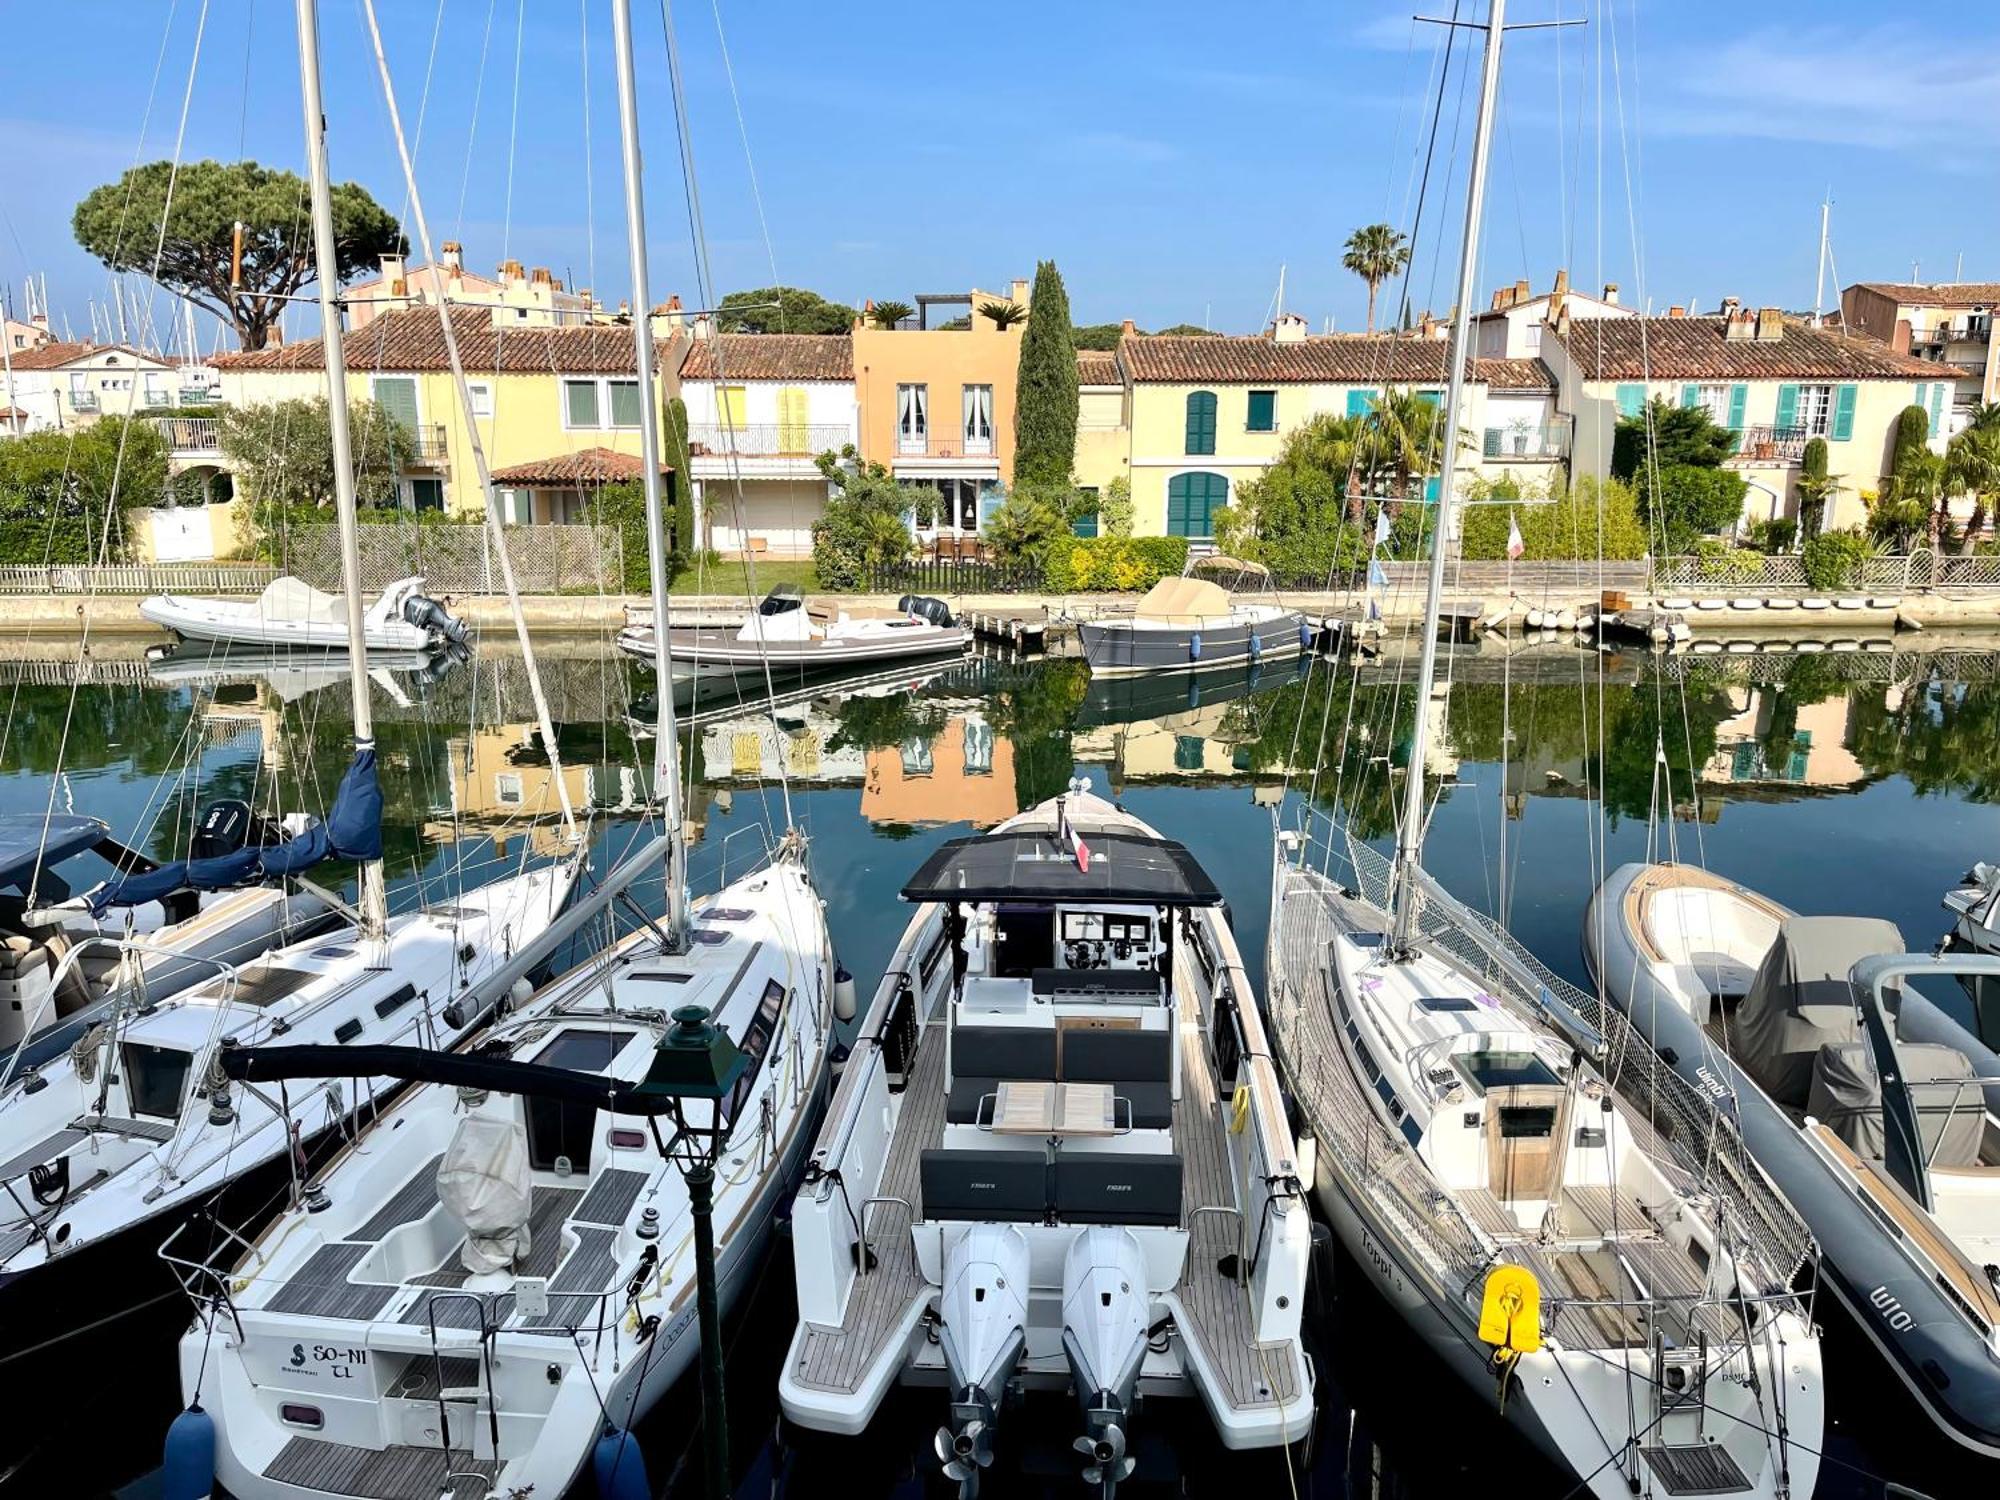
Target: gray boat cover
{"type": "Point", "coordinates": [1800, 1000]}
{"type": "Point", "coordinates": [1951, 1117]}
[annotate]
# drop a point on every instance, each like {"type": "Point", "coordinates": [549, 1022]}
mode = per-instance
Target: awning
{"type": "Point", "coordinates": [1123, 867]}
{"type": "Point", "coordinates": [26, 837]}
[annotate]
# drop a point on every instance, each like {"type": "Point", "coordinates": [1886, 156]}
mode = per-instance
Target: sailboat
{"type": "Point", "coordinates": [494, 1280]}
{"type": "Point", "coordinates": [1569, 1227]}
{"type": "Point", "coordinates": [137, 1125]}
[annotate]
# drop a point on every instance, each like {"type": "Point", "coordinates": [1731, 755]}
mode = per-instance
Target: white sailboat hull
{"type": "Point", "coordinates": [290, 614]}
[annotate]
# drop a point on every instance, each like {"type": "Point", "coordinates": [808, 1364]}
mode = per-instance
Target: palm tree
{"type": "Point", "coordinates": [1972, 463]}
{"type": "Point", "coordinates": [1401, 438]}
{"type": "Point", "coordinates": [1003, 315]}
{"type": "Point", "coordinates": [1375, 252]}
{"type": "Point", "coordinates": [889, 314]}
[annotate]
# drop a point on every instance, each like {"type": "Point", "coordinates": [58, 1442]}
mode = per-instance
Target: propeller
{"type": "Point", "coordinates": [1104, 1446]}
{"type": "Point", "coordinates": [964, 1451]}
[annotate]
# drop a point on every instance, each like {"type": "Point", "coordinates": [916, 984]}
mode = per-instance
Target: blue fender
{"type": "Point", "coordinates": [1305, 636]}
{"type": "Point", "coordinates": [620, 1467]}
{"type": "Point", "coordinates": [187, 1467]}
{"type": "Point", "coordinates": [1256, 646]}
{"type": "Point", "coordinates": [1194, 646]}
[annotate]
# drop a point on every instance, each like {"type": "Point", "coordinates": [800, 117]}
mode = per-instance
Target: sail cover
{"type": "Point", "coordinates": [352, 830]}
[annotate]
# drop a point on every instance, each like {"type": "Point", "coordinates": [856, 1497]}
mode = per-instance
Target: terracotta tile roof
{"type": "Point", "coordinates": [1513, 374]}
{"type": "Point", "coordinates": [1098, 367]}
{"type": "Point", "coordinates": [1695, 348]}
{"type": "Point", "coordinates": [1369, 359]}
{"type": "Point", "coordinates": [412, 339]}
{"type": "Point", "coordinates": [588, 466]}
{"type": "Point", "coordinates": [772, 356]}
{"type": "Point", "coordinates": [54, 356]}
{"type": "Point", "coordinates": [1939, 293]}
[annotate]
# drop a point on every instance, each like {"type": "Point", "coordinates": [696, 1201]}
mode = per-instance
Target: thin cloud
{"type": "Point", "coordinates": [1115, 146]}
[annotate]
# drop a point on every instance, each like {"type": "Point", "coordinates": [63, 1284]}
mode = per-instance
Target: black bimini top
{"type": "Point", "coordinates": [1035, 866]}
{"type": "Point", "coordinates": [28, 839]}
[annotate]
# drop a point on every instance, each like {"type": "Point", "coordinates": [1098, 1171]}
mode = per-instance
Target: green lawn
{"type": "Point", "coordinates": [733, 578]}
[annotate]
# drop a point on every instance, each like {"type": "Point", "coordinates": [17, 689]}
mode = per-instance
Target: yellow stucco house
{"type": "Point", "coordinates": [549, 403]}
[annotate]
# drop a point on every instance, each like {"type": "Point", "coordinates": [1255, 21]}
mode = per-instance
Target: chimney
{"type": "Point", "coordinates": [1428, 327]}
{"type": "Point", "coordinates": [452, 253]}
{"type": "Point", "coordinates": [392, 273]}
{"type": "Point", "coordinates": [1729, 306]}
{"type": "Point", "coordinates": [399, 288]}
{"type": "Point", "coordinates": [512, 271]}
{"type": "Point", "coordinates": [1503, 296]}
{"type": "Point", "coordinates": [1018, 294]}
{"type": "Point", "coordinates": [703, 328]}
{"type": "Point", "coordinates": [1677, 311]}
{"type": "Point", "coordinates": [1561, 287]}
{"type": "Point", "coordinates": [1559, 319]}
{"type": "Point", "coordinates": [1126, 330]}
{"type": "Point", "coordinates": [1522, 291]}
{"type": "Point", "coordinates": [540, 276]}
{"type": "Point", "coordinates": [1770, 325]}
{"type": "Point", "coordinates": [1611, 293]}
{"type": "Point", "coordinates": [1289, 328]}
{"type": "Point", "coordinates": [1737, 326]}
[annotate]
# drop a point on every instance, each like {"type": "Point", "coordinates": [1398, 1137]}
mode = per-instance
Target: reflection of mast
{"type": "Point", "coordinates": [1410, 837]}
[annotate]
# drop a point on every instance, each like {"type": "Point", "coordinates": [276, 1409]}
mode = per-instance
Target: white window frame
{"type": "Point", "coordinates": [1814, 414]}
{"type": "Point", "coordinates": [508, 790]}
{"type": "Point", "coordinates": [976, 405]}
{"type": "Point", "coordinates": [1531, 336]}
{"type": "Point", "coordinates": [596, 385]}
{"type": "Point", "coordinates": [482, 397]}
{"type": "Point", "coordinates": [1714, 399]}
{"type": "Point", "coordinates": [607, 411]}
{"type": "Point", "coordinates": [913, 426]}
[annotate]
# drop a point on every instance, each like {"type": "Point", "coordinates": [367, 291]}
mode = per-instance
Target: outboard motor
{"type": "Point", "coordinates": [924, 607]}
{"type": "Point", "coordinates": [983, 1328]}
{"type": "Point", "coordinates": [1105, 1302]}
{"type": "Point", "coordinates": [229, 824]}
{"type": "Point", "coordinates": [426, 613]}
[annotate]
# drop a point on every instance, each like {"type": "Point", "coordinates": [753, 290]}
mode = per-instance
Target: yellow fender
{"type": "Point", "coordinates": [1239, 1109]}
{"type": "Point", "coordinates": [1510, 1313]}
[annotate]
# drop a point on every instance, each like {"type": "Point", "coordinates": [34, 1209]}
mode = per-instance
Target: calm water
{"type": "Point", "coordinates": [1839, 782]}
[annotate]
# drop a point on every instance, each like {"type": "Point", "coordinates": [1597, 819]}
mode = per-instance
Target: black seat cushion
{"type": "Point", "coordinates": [1108, 1188]}
{"type": "Point", "coordinates": [1023, 1052]}
{"type": "Point", "coordinates": [1093, 1055]}
{"type": "Point", "coordinates": [1151, 1105]}
{"type": "Point", "coordinates": [962, 1104]}
{"type": "Point", "coordinates": [1009, 1187]}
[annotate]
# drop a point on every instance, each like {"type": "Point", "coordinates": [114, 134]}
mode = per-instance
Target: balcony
{"type": "Point", "coordinates": [83, 401]}
{"type": "Point", "coordinates": [767, 440]}
{"type": "Point", "coordinates": [945, 443]}
{"type": "Point", "coordinates": [427, 444]}
{"type": "Point", "coordinates": [190, 437]}
{"type": "Point", "coordinates": [1969, 331]}
{"type": "Point", "coordinates": [1770, 445]}
{"type": "Point", "coordinates": [1528, 443]}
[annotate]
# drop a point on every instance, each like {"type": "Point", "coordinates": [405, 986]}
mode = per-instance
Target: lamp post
{"type": "Point", "coordinates": [697, 1060]}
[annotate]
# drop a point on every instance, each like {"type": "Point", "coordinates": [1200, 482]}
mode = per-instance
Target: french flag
{"type": "Point", "coordinates": [1073, 841]}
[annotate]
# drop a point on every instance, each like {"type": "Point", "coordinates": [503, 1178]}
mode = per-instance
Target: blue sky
{"type": "Point", "coordinates": [1169, 156]}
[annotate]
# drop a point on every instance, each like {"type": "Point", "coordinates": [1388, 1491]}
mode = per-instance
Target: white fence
{"type": "Point", "coordinates": [459, 559]}
{"type": "Point", "coordinates": [136, 578]}
{"type": "Point", "coordinates": [1890, 573]}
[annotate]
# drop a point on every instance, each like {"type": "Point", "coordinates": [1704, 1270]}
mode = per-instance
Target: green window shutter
{"type": "Point", "coordinates": [1263, 412]}
{"type": "Point", "coordinates": [1788, 406]}
{"type": "Point", "coordinates": [1359, 402]}
{"type": "Point", "coordinates": [1201, 422]}
{"type": "Point", "coordinates": [1190, 752]}
{"type": "Point", "coordinates": [397, 396]}
{"type": "Point", "coordinates": [1492, 445]}
{"type": "Point", "coordinates": [1434, 398]}
{"type": "Point", "coordinates": [1631, 398]}
{"type": "Point", "coordinates": [1843, 414]}
{"type": "Point", "coordinates": [1086, 522]}
{"type": "Point", "coordinates": [580, 403]}
{"type": "Point", "coordinates": [1937, 407]}
{"type": "Point", "coordinates": [1192, 501]}
{"type": "Point", "coordinates": [626, 408]}
{"type": "Point", "coordinates": [1177, 505]}
{"type": "Point", "coordinates": [1690, 395]}
{"type": "Point", "coordinates": [1739, 397]}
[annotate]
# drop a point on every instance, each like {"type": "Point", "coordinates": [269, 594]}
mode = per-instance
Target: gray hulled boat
{"type": "Point", "coordinates": [1191, 624]}
{"type": "Point", "coordinates": [1867, 1104]}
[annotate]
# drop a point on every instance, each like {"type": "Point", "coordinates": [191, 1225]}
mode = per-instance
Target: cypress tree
{"type": "Point", "coordinates": [1913, 435]}
{"type": "Point", "coordinates": [1045, 397]}
{"type": "Point", "coordinates": [680, 486]}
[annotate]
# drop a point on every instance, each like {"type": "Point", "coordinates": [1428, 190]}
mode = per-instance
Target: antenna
{"type": "Point", "coordinates": [1819, 283]}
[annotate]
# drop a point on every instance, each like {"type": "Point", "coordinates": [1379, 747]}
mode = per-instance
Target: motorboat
{"type": "Point", "coordinates": [1186, 624]}
{"type": "Point", "coordinates": [1974, 904]}
{"type": "Point", "coordinates": [493, 1277]}
{"type": "Point", "coordinates": [792, 634]}
{"type": "Point", "coordinates": [51, 865]}
{"type": "Point", "coordinates": [1792, 1024]}
{"type": "Point", "coordinates": [1567, 1234]}
{"type": "Point", "coordinates": [292, 613]}
{"type": "Point", "coordinates": [296, 675]}
{"type": "Point", "coordinates": [1058, 1159]}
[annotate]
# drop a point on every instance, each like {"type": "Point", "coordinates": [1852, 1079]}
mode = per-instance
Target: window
{"type": "Point", "coordinates": [1815, 410]}
{"type": "Point", "coordinates": [507, 789]}
{"type": "Point", "coordinates": [756, 1042]}
{"type": "Point", "coordinates": [1192, 501]}
{"type": "Point", "coordinates": [155, 1079]}
{"type": "Point", "coordinates": [1263, 412]}
{"type": "Point", "coordinates": [482, 398]}
{"type": "Point", "coordinates": [627, 410]}
{"type": "Point", "coordinates": [978, 748]}
{"type": "Point", "coordinates": [913, 420]}
{"type": "Point", "coordinates": [426, 494]}
{"type": "Point", "coordinates": [978, 411]}
{"type": "Point", "coordinates": [1359, 403]}
{"type": "Point", "coordinates": [1201, 422]}
{"type": "Point", "coordinates": [1713, 399]}
{"type": "Point", "coordinates": [732, 406]}
{"type": "Point", "coordinates": [1533, 338]}
{"type": "Point", "coordinates": [157, 393]}
{"type": "Point", "coordinates": [1190, 752]}
{"type": "Point", "coordinates": [580, 403]}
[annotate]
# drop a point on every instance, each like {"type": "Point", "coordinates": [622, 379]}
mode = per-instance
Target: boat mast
{"type": "Point", "coordinates": [374, 923]}
{"type": "Point", "coordinates": [1410, 836]}
{"type": "Point", "coordinates": [666, 750]}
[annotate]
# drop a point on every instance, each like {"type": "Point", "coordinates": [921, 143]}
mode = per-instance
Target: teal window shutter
{"type": "Point", "coordinates": [1358, 403]}
{"type": "Point", "coordinates": [1492, 445]}
{"type": "Point", "coordinates": [1085, 523]}
{"type": "Point", "coordinates": [1431, 490]}
{"type": "Point", "coordinates": [1843, 414]}
{"type": "Point", "coordinates": [1788, 406]}
{"type": "Point", "coordinates": [1690, 395]}
{"type": "Point", "coordinates": [1201, 422]}
{"type": "Point", "coordinates": [1263, 412]}
{"type": "Point", "coordinates": [1434, 398]}
{"type": "Point", "coordinates": [1937, 407]}
{"type": "Point", "coordinates": [1631, 399]}
{"type": "Point", "coordinates": [1192, 501]}
{"type": "Point", "coordinates": [1739, 397]}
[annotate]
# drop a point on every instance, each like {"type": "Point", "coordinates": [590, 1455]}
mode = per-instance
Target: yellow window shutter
{"type": "Point", "coordinates": [730, 400]}
{"type": "Point", "coordinates": [792, 419]}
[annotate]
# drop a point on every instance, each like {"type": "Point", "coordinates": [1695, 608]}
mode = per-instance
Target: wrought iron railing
{"type": "Point", "coordinates": [428, 443]}
{"type": "Point", "coordinates": [944, 442]}
{"type": "Point", "coordinates": [952, 575]}
{"type": "Point", "coordinates": [1770, 445]}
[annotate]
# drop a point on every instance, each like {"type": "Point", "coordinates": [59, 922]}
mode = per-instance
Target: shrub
{"type": "Point", "coordinates": [1833, 559]}
{"type": "Point", "coordinates": [1774, 535]}
{"type": "Point", "coordinates": [60, 490]}
{"type": "Point", "coordinates": [1722, 563]}
{"type": "Point", "coordinates": [1114, 508]}
{"type": "Point", "coordinates": [862, 525]}
{"type": "Point", "coordinates": [1029, 520]}
{"type": "Point", "coordinates": [1571, 524]}
{"type": "Point", "coordinates": [1684, 501]}
{"type": "Point", "coordinates": [1666, 436]}
{"type": "Point", "coordinates": [1116, 563]}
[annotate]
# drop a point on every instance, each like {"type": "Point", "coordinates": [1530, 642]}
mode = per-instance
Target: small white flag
{"type": "Point", "coordinates": [1381, 525]}
{"type": "Point", "coordinates": [1515, 546]}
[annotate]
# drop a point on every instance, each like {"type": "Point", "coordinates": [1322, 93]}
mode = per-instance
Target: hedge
{"type": "Point", "coordinates": [1121, 563]}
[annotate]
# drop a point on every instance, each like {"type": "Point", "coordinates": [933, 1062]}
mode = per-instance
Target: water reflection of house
{"type": "Point", "coordinates": [1199, 744]}
{"type": "Point", "coordinates": [503, 785]}
{"type": "Point", "coordinates": [749, 750]}
{"type": "Point", "coordinates": [962, 774]}
{"type": "Point", "coordinates": [1817, 756]}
